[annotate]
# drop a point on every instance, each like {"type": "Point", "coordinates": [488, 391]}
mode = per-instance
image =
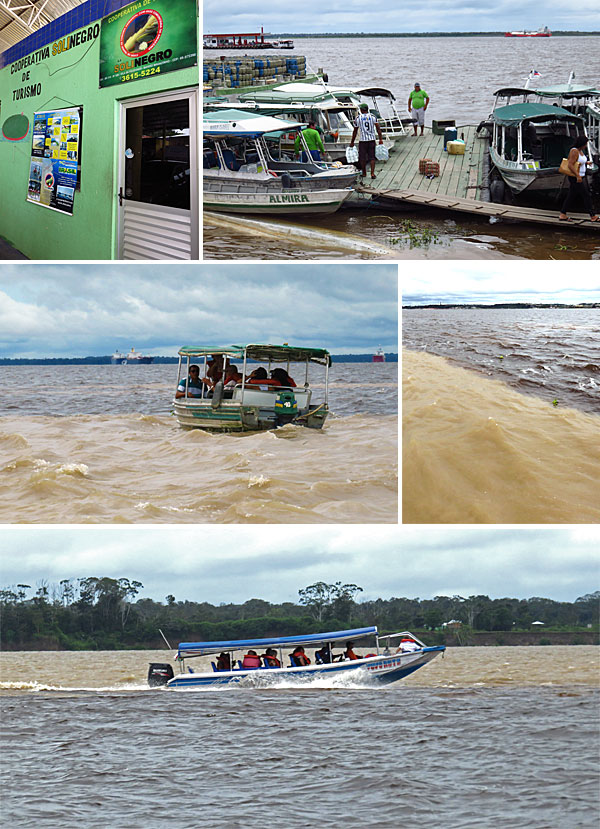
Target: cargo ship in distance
{"type": "Point", "coordinates": [543, 32]}
{"type": "Point", "coordinates": [132, 358]}
{"type": "Point", "coordinates": [252, 40]}
{"type": "Point", "coordinates": [379, 356]}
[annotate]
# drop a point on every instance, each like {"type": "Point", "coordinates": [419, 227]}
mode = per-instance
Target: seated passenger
{"type": "Point", "coordinates": [324, 655]}
{"type": "Point", "coordinates": [349, 652]}
{"type": "Point", "coordinates": [224, 662]}
{"type": "Point", "coordinates": [270, 658]}
{"type": "Point", "coordinates": [299, 658]}
{"type": "Point", "coordinates": [259, 377]}
{"type": "Point", "coordinates": [251, 660]}
{"type": "Point", "coordinates": [194, 384]}
{"type": "Point", "coordinates": [232, 377]}
{"type": "Point", "coordinates": [282, 377]}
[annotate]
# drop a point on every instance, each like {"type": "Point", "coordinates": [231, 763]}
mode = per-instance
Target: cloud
{"type": "Point", "coordinates": [233, 564]}
{"type": "Point", "coordinates": [408, 16]}
{"type": "Point", "coordinates": [53, 311]}
{"type": "Point", "coordinates": [494, 282]}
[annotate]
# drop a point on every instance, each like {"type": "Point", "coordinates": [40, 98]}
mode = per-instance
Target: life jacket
{"type": "Point", "coordinates": [272, 661]}
{"type": "Point", "coordinates": [251, 661]}
{"type": "Point", "coordinates": [301, 659]}
{"type": "Point", "coordinates": [349, 654]}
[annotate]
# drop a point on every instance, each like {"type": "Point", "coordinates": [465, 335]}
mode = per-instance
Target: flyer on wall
{"type": "Point", "coordinates": [53, 172]}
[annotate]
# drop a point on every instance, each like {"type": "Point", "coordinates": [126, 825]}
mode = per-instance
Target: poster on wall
{"type": "Point", "coordinates": [148, 38]}
{"type": "Point", "coordinates": [54, 165]}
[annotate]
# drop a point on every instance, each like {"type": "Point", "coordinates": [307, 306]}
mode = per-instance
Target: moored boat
{"type": "Point", "coordinates": [393, 657]}
{"type": "Point", "coordinates": [251, 405]}
{"type": "Point", "coordinates": [334, 108]}
{"type": "Point", "coordinates": [241, 175]}
{"type": "Point", "coordinates": [529, 142]}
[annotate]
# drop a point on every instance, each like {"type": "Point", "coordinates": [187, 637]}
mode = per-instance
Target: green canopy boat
{"type": "Point", "coordinates": [224, 402]}
{"type": "Point", "coordinates": [529, 142]}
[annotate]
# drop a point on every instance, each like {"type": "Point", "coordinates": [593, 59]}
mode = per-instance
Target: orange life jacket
{"type": "Point", "coordinates": [302, 658]}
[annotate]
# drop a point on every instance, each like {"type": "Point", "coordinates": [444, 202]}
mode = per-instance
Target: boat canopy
{"type": "Point", "coordinates": [567, 90]}
{"type": "Point", "coordinates": [514, 114]}
{"type": "Point", "coordinates": [511, 91]}
{"type": "Point", "coordinates": [261, 352]}
{"type": "Point", "coordinates": [292, 95]}
{"type": "Point", "coordinates": [235, 122]}
{"type": "Point", "coordinates": [374, 92]}
{"type": "Point", "coordinates": [189, 649]}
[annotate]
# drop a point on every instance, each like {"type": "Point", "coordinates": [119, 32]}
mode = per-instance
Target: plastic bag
{"type": "Point", "coordinates": [351, 155]}
{"type": "Point", "coordinates": [381, 152]}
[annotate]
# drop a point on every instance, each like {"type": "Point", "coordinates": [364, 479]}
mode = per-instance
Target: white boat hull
{"type": "Point", "coordinates": [284, 202]}
{"type": "Point", "coordinates": [375, 670]}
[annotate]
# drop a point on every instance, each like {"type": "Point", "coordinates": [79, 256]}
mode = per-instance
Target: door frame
{"type": "Point", "coordinates": [191, 93]}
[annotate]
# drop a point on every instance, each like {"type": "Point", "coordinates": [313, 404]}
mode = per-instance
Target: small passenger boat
{"type": "Point", "coordinates": [241, 175]}
{"type": "Point", "coordinates": [249, 407]}
{"type": "Point", "coordinates": [392, 657]}
{"type": "Point", "coordinates": [529, 142]}
{"type": "Point", "coordinates": [334, 108]}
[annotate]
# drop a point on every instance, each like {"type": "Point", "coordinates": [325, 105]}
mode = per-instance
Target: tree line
{"type": "Point", "coordinates": [105, 614]}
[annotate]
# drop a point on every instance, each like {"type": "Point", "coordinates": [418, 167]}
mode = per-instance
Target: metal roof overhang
{"type": "Point", "coordinates": [21, 18]}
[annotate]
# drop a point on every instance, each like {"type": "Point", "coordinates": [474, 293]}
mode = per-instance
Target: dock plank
{"type": "Point", "coordinates": [460, 183]}
{"type": "Point", "coordinates": [502, 211]}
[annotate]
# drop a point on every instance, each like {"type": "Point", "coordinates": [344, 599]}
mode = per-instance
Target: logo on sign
{"type": "Point", "coordinates": [141, 33]}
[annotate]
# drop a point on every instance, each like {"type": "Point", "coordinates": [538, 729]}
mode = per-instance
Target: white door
{"type": "Point", "coordinates": [158, 177]}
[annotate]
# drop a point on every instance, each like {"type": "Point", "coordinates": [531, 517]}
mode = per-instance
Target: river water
{"type": "Point", "coordinates": [98, 444]}
{"type": "Point", "coordinates": [460, 74]}
{"type": "Point", "coordinates": [482, 738]}
{"type": "Point", "coordinates": [553, 353]}
{"type": "Point", "coordinates": [476, 450]}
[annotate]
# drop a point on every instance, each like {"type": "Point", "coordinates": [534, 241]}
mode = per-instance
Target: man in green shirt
{"type": "Point", "coordinates": [313, 141]}
{"type": "Point", "coordinates": [418, 101]}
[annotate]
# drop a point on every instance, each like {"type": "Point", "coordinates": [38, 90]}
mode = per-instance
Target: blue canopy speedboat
{"type": "Point", "coordinates": [392, 657]}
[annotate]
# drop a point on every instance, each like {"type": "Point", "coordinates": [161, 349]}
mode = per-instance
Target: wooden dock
{"type": "Point", "coordinates": [461, 186]}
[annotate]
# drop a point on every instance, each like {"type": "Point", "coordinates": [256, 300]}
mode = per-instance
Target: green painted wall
{"type": "Point", "coordinates": [70, 79]}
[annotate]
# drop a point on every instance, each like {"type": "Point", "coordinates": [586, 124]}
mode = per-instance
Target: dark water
{"type": "Point", "coordinates": [366, 388]}
{"type": "Point", "coordinates": [413, 757]}
{"type": "Point", "coordinates": [552, 353]}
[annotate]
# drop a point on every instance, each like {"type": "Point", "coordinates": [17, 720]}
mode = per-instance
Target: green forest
{"type": "Point", "coordinates": [105, 614]}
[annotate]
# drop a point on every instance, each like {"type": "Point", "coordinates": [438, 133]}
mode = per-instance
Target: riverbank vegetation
{"type": "Point", "coordinates": [105, 614]}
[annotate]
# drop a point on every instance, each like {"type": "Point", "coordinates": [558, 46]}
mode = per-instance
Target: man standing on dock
{"type": "Point", "coordinates": [367, 124]}
{"type": "Point", "coordinates": [418, 101]}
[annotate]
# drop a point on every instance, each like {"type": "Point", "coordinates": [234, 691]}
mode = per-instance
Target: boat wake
{"type": "Point", "coordinates": [36, 687]}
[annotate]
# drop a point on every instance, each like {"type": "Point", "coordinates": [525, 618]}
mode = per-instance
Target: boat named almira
{"type": "Point", "coordinates": [393, 657]}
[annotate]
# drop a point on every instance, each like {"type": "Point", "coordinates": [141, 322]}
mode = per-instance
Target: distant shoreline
{"type": "Point", "coordinates": [580, 306]}
{"type": "Point", "coordinates": [105, 360]}
{"type": "Point", "coordinates": [418, 34]}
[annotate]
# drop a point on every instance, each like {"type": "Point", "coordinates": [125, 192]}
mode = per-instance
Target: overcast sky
{"type": "Point", "coordinates": [82, 310]}
{"type": "Point", "coordinates": [233, 564]}
{"type": "Point", "coordinates": [567, 282]}
{"type": "Point", "coordinates": [407, 16]}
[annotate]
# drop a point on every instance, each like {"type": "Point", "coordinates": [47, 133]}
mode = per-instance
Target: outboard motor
{"type": "Point", "coordinates": [159, 673]}
{"type": "Point", "coordinates": [286, 407]}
